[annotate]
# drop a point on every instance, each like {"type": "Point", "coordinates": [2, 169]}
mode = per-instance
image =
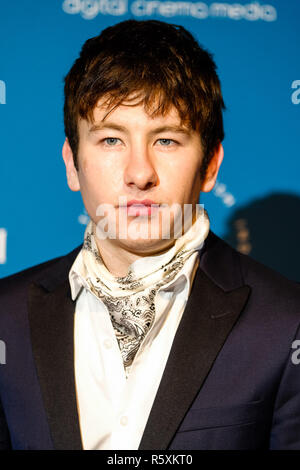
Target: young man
{"type": "Point", "coordinates": [154, 334]}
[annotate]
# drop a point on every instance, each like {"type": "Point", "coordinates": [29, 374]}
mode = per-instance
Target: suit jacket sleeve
{"type": "Point", "coordinates": [285, 432]}
{"type": "Point", "coordinates": [4, 434]}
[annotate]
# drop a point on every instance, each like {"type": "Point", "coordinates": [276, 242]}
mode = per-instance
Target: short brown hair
{"type": "Point", "coordinates": [159, 62]}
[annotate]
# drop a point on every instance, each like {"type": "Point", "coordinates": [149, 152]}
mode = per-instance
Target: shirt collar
{"type": "Point", "coordinates": [184, 277]}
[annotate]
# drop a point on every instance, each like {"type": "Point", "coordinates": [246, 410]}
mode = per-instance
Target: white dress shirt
{"type": "Point", "coordinates": [113, 411]}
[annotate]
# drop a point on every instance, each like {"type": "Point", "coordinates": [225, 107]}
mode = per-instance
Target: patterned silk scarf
{"type": "Point", "coordinates": [130, 300]}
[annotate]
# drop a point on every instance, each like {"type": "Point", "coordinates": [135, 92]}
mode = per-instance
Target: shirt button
{"type": "Point", "coordinates": [124, 420]}
{"type": "Point", "coordinates": [107, 343]}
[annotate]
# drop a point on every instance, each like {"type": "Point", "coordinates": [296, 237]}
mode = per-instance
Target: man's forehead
{"type": "Point", "coordinates": [105, 112]}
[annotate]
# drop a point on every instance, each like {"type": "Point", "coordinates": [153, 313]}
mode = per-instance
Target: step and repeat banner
{"type": "Point", "coordinates": [255, 204]}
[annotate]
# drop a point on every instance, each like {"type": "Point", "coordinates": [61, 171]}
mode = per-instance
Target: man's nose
{"type": "Point", "coordinates": [140, 170]}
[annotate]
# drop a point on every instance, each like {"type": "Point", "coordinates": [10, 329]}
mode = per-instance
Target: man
{"type": "Point", "coordinates": [154, 334]}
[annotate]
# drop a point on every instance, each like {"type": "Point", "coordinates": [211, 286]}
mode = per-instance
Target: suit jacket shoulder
{"type": "Point", "coordinates": [231, 268]}
{"type": "Point", "coordinates": [52, 271]}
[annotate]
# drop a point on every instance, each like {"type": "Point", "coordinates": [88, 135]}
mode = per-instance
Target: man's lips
{"type": "Point", "coordinates": [145, 207]}
{"type": "Point", "coordinates": [144, 202]}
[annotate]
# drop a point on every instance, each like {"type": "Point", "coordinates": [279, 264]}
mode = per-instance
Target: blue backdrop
{"type": "Point", "coordinates": [255, 204]}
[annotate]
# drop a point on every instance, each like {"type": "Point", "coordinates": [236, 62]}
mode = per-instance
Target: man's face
{"type": "Point", "coordinates": [127, 153]}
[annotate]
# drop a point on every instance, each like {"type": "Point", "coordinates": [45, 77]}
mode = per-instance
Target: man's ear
{"type": "Point", "coordinates": [209, 180]}
{"type": "Point", "coordinates": [72, 175]}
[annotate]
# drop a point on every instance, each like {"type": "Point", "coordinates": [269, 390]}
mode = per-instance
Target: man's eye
{"type": "Point", "coordinates": [166, 142]}
{"type": "Point", "coordinates": [111, 141]}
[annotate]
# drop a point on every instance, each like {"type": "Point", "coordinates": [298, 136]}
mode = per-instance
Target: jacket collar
{"type": "Point", "coordinates": [217, 299]}
{"type": "Point", "coordinates": [51, 319]}
{"type": "Point", "coordinates": [209, 316]}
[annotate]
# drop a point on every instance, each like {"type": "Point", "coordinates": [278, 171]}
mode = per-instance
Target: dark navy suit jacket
{"type": "Point", "coordinates": [229, 382]}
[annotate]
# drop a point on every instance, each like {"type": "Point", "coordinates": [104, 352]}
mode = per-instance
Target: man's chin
{"type": "Point", "coordinates": [145, 246]}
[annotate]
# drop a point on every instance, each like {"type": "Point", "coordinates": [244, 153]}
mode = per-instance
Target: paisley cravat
{"type": "Point", "coordinates": [130, 300]}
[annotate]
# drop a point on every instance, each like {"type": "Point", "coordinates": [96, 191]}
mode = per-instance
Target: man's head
{"type": "Point", "coordinates": [143, 119]}
{"type": "Point", "coordinates": [161, 63]}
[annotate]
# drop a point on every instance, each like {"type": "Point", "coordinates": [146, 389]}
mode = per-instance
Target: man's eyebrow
{"type": "Point", "coordinates": [170, 128]}
{"type": "Point", "coordinates": [108, 125]}
{"type": "Point", "coordinates": [157, 130]}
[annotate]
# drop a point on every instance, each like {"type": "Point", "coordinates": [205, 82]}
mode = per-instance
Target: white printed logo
{"type": "Point", "coordinates": [2, 352]}
{"type": "Point", "coordinates": [296, 95]}
{"type": "Point", "coordinates": [3, 237]}
{"type": "Point", "coordinates": [89, 9]}
{"type": "Point", "coordinates": [84, 217]}
{"type": "Point", "coordinates": [220, 190]}
{"type": "Point", "coordinates": [296, 354]}
{"type": "Point", "coordinates": [2, 92]}
{"type": "Point", "coordinates": [200, 10]}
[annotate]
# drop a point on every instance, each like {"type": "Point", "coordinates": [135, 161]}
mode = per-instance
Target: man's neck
{"type": "Point", "coordinates": [117, 259]}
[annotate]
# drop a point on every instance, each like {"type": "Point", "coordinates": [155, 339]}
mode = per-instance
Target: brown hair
{"type": "Point", "coordinates": [160, 63]}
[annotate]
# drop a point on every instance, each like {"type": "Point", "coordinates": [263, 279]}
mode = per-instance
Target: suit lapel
{"type": "Point", "coordinates": [51, 317]}
{"type": "Point", "coordinates": [209, 316]}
